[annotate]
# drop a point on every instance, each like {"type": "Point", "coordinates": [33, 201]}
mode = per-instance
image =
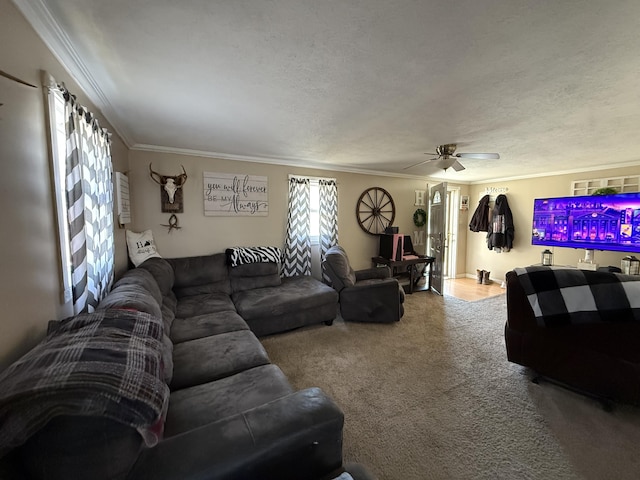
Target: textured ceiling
{"type": "Point", "coordinates": [362, 84]}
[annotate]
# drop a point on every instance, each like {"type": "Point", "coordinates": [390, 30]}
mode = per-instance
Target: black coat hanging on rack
{"type": "Point", "coordinates": [480, 219]}
{"type": "Point", "coordinates": [501, 230]}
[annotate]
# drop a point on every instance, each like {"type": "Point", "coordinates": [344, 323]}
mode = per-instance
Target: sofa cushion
{"type": "Point", "coordinates": [134, 297]}
{"type": "Point", "coordinates": [196, 406]}
{"type": "Point", "coordinates": [254, 275]}
{"type": "Point", "coordinates": [142, 278]}
{"type": "Point", "coordinates": [210, 358]}
{"type": "Point", "coordinates": [167, 359]}
{"type": "Point", "coordinates": [295, 293]}
{"type": "Point", "coordinates": [170, 301]}
{"type": "Point", "coordinates": [203, 304]}
{"type": "Point", "coordinates": [185, 329]}
{"type": "Point", "coordinates": [162, 271]}
{"type": "Point", "coordinates": [168, 315]}
{"type": "Point", "coordinates": [200, 275]}
{"type": "Point", "coordinates": [338, 268]}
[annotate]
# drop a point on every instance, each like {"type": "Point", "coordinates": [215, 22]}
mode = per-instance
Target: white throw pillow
{"type": "Point", "coordinates": [141, 246]}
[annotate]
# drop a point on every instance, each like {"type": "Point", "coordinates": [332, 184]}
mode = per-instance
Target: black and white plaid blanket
{"type": "Point", "coordinates": [563, 296]}
{"type": "Point", "coordinates": [107, 363]}
{"type": "Point", "coordinates": [244, 255]}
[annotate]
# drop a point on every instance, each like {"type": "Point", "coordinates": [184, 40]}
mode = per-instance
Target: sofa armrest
{"type": "Point", "coordinates": [384, 292]}
{"type": "Point", "coordinates": [293, 437]}
{"type": "Point", "coordinates": [520, 315]}
{"type": "Point", "coordinates": [389, 283]}
{"type": "Point", "coordinates": [375, 272]}
{"type": "Point", "coordinates": [379, 301]}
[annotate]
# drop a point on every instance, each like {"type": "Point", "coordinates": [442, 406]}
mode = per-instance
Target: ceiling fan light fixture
{"type": "Point", "coordinates": [447, 158]}
{"type": "Point", "coordinates": [446, 150]}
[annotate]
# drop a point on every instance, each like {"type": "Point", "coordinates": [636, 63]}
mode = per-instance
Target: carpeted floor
{"type": "Point", "coordinates": [433, 397]}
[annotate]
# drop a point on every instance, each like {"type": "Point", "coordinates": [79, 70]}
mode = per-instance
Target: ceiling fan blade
{"type": "Point", "coordinates": [457, 166]}
{"type": "Point", "coordinates": [483, 156]}
{"type": "Point", "coordinates": [420, 163]}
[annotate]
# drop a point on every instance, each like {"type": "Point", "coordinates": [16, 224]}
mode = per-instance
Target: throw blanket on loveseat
{"type": "Point", "coordinates": [107, 363]}
{"type": "Point", "coordinates": [244, 255]}
{"type": "Point", "coordinates": [563, 296]}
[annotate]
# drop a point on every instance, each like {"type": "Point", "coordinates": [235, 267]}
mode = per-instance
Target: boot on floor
{"type": "Point", "coordinates": [485, 278]}
{"type": "Point", "coordinates": [479, 275]}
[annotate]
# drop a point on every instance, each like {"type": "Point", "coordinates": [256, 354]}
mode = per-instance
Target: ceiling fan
{"type": "Point", "coordinates": [447, 158]}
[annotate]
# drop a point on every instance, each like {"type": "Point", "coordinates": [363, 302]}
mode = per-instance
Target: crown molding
{"type": "Point", "coordinates": [289, 162]}
{"type": "Point", "coordinates": [300, 163]}
{"type": "Point", "coordinates": [58, 42]}
{"type": "Point", "coordinates": [635, 163]}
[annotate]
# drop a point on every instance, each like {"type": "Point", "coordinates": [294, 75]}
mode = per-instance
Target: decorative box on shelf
{"type": "Point", "coordinates": [582, 265]}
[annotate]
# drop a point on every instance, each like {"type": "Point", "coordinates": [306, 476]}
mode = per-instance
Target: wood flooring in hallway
{"type": "Point", "coordinates": [468, 289]}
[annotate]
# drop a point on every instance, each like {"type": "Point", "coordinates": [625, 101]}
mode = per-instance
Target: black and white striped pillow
{"type": "Point", "coordinates": [244, 255]}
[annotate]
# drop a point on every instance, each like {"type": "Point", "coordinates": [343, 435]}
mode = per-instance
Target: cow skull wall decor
{"type": "Point", "coordinates": [170, 190]}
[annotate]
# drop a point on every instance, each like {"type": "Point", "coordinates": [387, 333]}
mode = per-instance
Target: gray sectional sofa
{"type": "Point", "coordinates": [228, 412]}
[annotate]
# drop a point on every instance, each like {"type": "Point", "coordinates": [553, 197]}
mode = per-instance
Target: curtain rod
{"type": "Point", "coordinates": [15, 79]}
{"type": "Point", "coordinates": [49, 82]}
{"type": "Point", "coordinates": [292, 175]}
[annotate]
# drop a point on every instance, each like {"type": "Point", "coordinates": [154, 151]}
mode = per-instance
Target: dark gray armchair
{"type": "Point", "coordinates": [370, 295]}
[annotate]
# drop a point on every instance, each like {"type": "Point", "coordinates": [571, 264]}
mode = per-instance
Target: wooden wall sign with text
{"type": "Point", "coordinates": [228, 194]}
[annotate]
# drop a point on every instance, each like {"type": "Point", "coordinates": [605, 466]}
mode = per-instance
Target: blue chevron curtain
{"type": "Point", "coordinates": [89, 200]}
{"type": "Point", "coordinates": [297, 248]}
{"type": "Point", "coordinates": [297, 252]}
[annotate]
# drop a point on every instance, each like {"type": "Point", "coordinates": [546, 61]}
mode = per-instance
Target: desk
{"type": "Point", "coordinates": [409, 267]}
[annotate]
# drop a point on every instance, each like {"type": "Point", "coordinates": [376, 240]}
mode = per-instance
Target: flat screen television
{"type": "Point", "coordinates": [594, 222]}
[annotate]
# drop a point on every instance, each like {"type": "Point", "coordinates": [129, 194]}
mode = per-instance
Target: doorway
{"type": "Point", "coordinates": [443, 233]}
{"type": "Point", "coordinates": [437, 234]}
{"type": "Point", "coordinates": [451, 233]}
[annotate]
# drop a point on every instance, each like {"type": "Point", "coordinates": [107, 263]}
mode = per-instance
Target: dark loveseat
{"type": "Point", "coordinates": [587, 338]}
{"type": "Point", "coordinates": [229, 413]}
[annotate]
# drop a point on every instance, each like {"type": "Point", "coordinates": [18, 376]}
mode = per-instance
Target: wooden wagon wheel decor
{"type": "Point", "coordinates": [375, 210]}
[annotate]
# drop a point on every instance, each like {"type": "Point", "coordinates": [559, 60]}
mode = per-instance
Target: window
{"type": "Point", "coordinates": [58, 151]}
{"type": "Point", "coordinates": [314, 212]}
{"type": "Point", "coordinates": [312, 218]}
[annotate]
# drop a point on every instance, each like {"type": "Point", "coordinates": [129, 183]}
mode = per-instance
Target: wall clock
{"type": "Point", "coordinates": [375, 210]}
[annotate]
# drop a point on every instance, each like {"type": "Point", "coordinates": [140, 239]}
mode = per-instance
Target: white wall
{"type": "Point", "coordinates": [201, 234]}
{"type": "Point", "coordinates": [30, 292]}
{"type": "Point", "coordinates": [520, 196]}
